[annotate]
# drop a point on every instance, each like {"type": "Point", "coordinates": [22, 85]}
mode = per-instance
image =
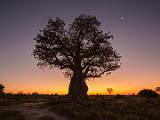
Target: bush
{"type": "Point", "coordinates": [1, 90]}
{"type": "Point", "coordinates": [147, 93]}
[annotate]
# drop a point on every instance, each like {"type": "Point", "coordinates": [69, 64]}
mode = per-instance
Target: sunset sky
{"type": "Point", "coordinates": [135, 25]}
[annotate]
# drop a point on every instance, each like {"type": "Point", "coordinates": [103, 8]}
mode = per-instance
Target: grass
{"type": "Point", "coordinates": [46, 118]}
{"type": "Point", "coordinates": [110, 108]}
{"type": "Point", "coordinates": [100, 107]}
{"type": "Point", "coordinates": [20, 99]}
{"type": "Point", "coordinates": [11, 115]}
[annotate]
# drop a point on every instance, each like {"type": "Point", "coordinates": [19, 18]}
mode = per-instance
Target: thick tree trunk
{"type": "Point", "coordinates": [77, 89]}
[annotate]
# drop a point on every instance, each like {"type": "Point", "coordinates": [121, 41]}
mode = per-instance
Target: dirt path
{"type": "Point", "coordinates": [33, 111]}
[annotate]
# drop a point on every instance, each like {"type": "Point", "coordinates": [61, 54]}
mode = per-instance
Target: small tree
{"type": "Point", "coordinates": [109, 90]}
{"type": "Point", "coordinates": [157, 89]}
{"type": "Point", "coordinates": [82, 50]}
{"type": "Point", "coordinates": [2, 89]}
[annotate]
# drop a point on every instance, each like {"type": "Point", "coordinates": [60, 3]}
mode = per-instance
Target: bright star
{"type": "Point", "coordinates": [122, 18]}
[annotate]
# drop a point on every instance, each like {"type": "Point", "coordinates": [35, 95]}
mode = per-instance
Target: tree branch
{"type": "Point", "coordinates": [97, 75]}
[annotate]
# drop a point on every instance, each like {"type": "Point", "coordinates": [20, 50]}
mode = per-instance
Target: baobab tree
{"type": "Point", "coordinates": [82, 50]}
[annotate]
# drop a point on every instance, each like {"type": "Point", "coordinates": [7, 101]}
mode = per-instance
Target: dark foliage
{"type": "Point", "coordinates": [82, 46]}
{"type": "Point", "coordinates": [147, 93]}
{"type": "Point", "coordinates": [1, 89]}
{"type": "Point", "coordinates": [157, 89]}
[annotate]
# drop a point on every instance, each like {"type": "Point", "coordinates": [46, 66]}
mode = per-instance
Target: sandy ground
{"type": "Point", "coordinates": [33, 111]}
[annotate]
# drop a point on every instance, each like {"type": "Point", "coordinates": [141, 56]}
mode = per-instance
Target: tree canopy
{"type": "Point", "coordinates": [83, 44]}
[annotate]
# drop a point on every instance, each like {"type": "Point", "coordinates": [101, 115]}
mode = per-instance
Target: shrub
{"type": "Point", "coordinates": [1, 89]}
{"type": "Point", "coordinates": [147, 93]}
{"type": "Point", "coordinates": [157, 89]}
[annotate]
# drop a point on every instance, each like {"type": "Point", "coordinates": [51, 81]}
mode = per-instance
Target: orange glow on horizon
{"type": "Point", "coordinates": [95, 87]}
{"type": "Point", "coordinates": [63, 92]}
{"type": "Point", "coordinates": [53, 81]}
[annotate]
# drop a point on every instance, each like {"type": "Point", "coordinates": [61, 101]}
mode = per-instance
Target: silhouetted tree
{"type": "Point", "coordinates": [157, 89]}
{"type": "Point", "coordinates": [109, 90]}
{"type": "Point", "coordinates": [147, 93]}
{"type": "Point", "coordinates": [1, 89]}
{"type": "Point", "coordinates": [82, 50]}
